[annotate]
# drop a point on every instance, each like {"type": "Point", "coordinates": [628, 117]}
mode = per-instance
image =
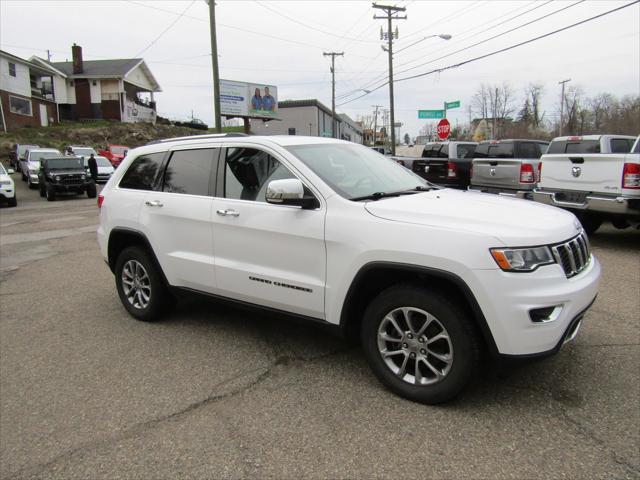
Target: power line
{"type": "Point", "coordinates": [306, 25]}
{"type": "Point", "coordinates": [493, 37]}
{"type": "Point", "coordinates": [511, 47]}
{"type": "Point", "coordinates": [165, 30]}
{"type": "Point", "coordinates": [380, 77]}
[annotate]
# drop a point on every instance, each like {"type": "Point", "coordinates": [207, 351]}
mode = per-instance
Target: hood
{"type": "Point", "coordinates": [105, 169]}
{"type": "Point", "coordinates": [512, 221]}
{"type": "Point", "coordinates": [5, 178]}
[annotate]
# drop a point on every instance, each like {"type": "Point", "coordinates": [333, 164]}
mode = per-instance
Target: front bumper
{"type": "Point", "coordinates": [526, 194]}
{"type": "Point", "coordinates": [33, 178]}
{"type": "Point", "coordinates": [608, 204]}
{"type": "Point", "coordinates": [7, 193]}
{"type": "Point", "coordinates": [507, 299]}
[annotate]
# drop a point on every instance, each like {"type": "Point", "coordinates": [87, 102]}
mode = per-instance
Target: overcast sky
{"type": "Point", "coordinates": [281, 43]}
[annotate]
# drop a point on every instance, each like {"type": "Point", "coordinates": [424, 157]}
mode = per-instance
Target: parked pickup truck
{"type": "Point", "coordinates": [597, 177]}
{"type": "Point", "coordinates": [17, 153]}
{"type": "Point", "coordinates": [447, 164]}
{"type": "Point", "coordinates": [507, 167]}
{"type": "Point", "coordinates": [114, 153]}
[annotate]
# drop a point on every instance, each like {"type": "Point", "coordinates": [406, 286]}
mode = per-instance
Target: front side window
{"type": "Point", "coordinates": [528, 150]}
{"type": "Point", "coordinates": [621, 145]}
{"type": "Point", "coordinates": [466, 150]}
{"type": "Point", "coordinates": [20, 106]}
{"type": "Point", "coordinates": [355, 171]}
{"type": "Point", "coordinates": [189, 171]}
{"type": "Point", "coordinates": [248, 171]}
{"type": "Point", "coordinates": [142, 172]}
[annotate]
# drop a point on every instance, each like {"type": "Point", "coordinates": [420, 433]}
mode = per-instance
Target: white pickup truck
{"type": "Point", "coordinates": [597, 177]}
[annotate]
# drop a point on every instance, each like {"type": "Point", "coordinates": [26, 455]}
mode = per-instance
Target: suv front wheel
{"type": "Point", "coordinates": [419, 343]}
{"type": "Point", "coordinates": [140, 285]}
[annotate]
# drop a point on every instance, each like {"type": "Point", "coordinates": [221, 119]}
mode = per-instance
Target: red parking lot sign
{"type": "Point", "coordinates": [444, 129]}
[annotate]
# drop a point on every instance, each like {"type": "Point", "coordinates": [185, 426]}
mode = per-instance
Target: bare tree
{"type": "Point", "coordinates": [480, 101]}
{"type": "Point", "coordinates": [573, 106]}
{"type": "Point", "coordinates": [501, 107]}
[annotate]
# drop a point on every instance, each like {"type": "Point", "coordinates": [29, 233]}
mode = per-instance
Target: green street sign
{"type": "Point", "coordinates": [450, 105]}
{"type": "Point", "coordinates": [430, 113]}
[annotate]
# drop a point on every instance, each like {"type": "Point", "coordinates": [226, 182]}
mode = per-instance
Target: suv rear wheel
{"type": "Point", "coordinates": [140, 285]}
{"type": "Point", "coordinates": [420, 344]}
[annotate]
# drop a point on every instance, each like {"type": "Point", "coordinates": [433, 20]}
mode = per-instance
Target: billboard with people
{"type": "Point", "coordinates": [243, 99]}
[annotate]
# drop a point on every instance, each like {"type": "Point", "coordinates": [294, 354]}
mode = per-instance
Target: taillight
{"type": "Point", "coordinates": [526, 173]}
{"type": "Point", "coordinates": [452, 170]}
{"type": "Point", "coordinates": [631, 175]}
{"type": "Point", "coordinates": [539, 171]}
{"type": "Point", "coordinates": [100, 200]}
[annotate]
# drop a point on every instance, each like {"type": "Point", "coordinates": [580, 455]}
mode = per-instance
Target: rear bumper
{"type": "Point", "coordinates": [608, 204]}
{"type": "Point", "coordinates": [507, 192]}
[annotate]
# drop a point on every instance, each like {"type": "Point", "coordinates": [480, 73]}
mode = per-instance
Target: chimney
{"type": "Point", "coordinates": [76, 52]}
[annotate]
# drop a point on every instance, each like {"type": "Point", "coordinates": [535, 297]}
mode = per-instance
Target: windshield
{"type": "Point", "coordinates": [356, 171]}
{"type": "Point", "coordinates": [35, 156]}
{"type": "Point", "coordinates": [64, 163]}
{"type": "Point", "coordinates": [2, 170]}
{"type": "Point", "coordinates": [84, 151]}
{"type": "Point", "coordinates": [100, 161]}
{"type": "Point", "coordinates": [23, 148]}
{"type": "Point", "coordinates": [118, 150]}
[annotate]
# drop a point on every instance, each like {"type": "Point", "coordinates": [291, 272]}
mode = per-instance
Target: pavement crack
{"type": "Point", "coordinates": [140, 428]}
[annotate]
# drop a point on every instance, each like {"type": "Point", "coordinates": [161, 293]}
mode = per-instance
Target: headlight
{"type": "Point", "coordinates": [522, 259]}
{"type": "Point", "coordinates": [57, 178]}
{"type": "Point", "coordinates": [82, 177]}
{"type": "Point", "coordinates": [5, 182]}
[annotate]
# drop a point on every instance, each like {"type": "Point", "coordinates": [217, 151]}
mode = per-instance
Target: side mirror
{"type": "Point", "coordinates": [289, 191]}
{"type": "Point", "coordinates": [10, 171]}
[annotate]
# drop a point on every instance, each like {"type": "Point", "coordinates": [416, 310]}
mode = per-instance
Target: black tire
{"type": "Point", "coordinates": [13, 202]}
{"type": "Point", "coordinates": [464, 343]}
{"type": "Point", "coordinates": [590, 223]}
{"type": "Point", "coordinates": [159, 298]}
{"type": "Point", "coordinates": [42, 190]}
{"type": "Point", "coordinates": [50, 192]}
{"type": "Point", "coordinates": [92, 191]}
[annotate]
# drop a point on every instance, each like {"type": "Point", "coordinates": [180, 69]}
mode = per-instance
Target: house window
{"type": "Point", "coordinates": [94, 83]}
{"type": "Point", "coordinates": [12, 69]}
{"type": "Point", "coordinates": [71, 83]}
{"type": "Point", "coordinates": [292, 131]}
{"type": "Point", "coordinates": [21, 106]}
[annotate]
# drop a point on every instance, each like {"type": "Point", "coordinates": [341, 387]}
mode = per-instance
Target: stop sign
{"type": "Point", "coordinates": [444, 129]}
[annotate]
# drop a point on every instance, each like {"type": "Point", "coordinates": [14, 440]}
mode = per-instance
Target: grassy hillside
{"type": "Point", "coordinates": [95, 134]}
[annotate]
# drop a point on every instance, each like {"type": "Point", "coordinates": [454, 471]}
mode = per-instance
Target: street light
{"type": "Point", "coordinates": [443, 36]}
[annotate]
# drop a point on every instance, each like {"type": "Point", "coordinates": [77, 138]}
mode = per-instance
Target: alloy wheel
{"type": "Point", "coordinates": [136, 284]}
{"type": "Point", "coordinates": [415, 346]}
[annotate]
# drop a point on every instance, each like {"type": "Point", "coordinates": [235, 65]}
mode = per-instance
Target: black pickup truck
{"type": "Point", "coordinates": [64, 175]}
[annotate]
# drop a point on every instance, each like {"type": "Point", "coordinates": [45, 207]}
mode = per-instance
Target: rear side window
{"type": "Point", "coordinates": [248, 171]}
{"type": "Point", "coordinates": [444, 151]}
{"type": "Point", "coordinates": [189, 171]}
{"type": "Point", "coordinates": [142, 172]}
{"type": "Point", "coordinates": [528, 150]}
{"type": "Point", "coordinates": [466, 151]}
{"type": "Point", "coordinates": [637, 149]}
{"type": "Point", "coordinates": [621, 145]}
{"type": "Point", "coordinates": [431, 151]}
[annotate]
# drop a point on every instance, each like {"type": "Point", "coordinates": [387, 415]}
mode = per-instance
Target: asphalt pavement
{"type": "Point", "coordinates": [218, 392]}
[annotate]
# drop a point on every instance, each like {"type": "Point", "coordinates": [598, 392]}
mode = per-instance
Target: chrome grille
{"type": "Point", "coordinates": [573, 255]}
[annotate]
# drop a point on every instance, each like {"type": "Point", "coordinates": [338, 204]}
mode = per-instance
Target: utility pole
{"type": "Point", "coordinates": [562, 105]}
{"type": "Point", "coordinates": [391, 14]}
{"type": "Point", "coordinates": [214, 62]}
{"type": "Point", "coordinates": [48, 55]}
{"type": "Point", "coordinates": [375, 123]}
{"type": "Point", "coordinates": [333, 56]}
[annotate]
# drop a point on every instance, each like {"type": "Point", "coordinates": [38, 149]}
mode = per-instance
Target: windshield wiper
{"type": "Point", "coordinates": [378, 195]}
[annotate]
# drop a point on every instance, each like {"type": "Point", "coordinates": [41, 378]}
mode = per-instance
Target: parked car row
{"type": "Point", "coordinates": [594, 176]}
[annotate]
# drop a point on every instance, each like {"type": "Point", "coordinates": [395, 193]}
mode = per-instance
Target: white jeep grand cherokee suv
{"type": "Point", "coordinates": [338, 234]}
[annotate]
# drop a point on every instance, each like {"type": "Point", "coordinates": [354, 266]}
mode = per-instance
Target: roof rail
{"type": "Point", "coordinates": [199, 137]}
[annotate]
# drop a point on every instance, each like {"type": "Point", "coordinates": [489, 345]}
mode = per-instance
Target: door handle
{"type": "Point", "coordinates": [228, 213]}
{"type": "Point", "coordinates": [154, 203]}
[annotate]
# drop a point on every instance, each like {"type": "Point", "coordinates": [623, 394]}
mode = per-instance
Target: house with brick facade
{"type": "Point", "coordinates": [118, 89]}
{"type": "Point", "coordinates": [27, 97]}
